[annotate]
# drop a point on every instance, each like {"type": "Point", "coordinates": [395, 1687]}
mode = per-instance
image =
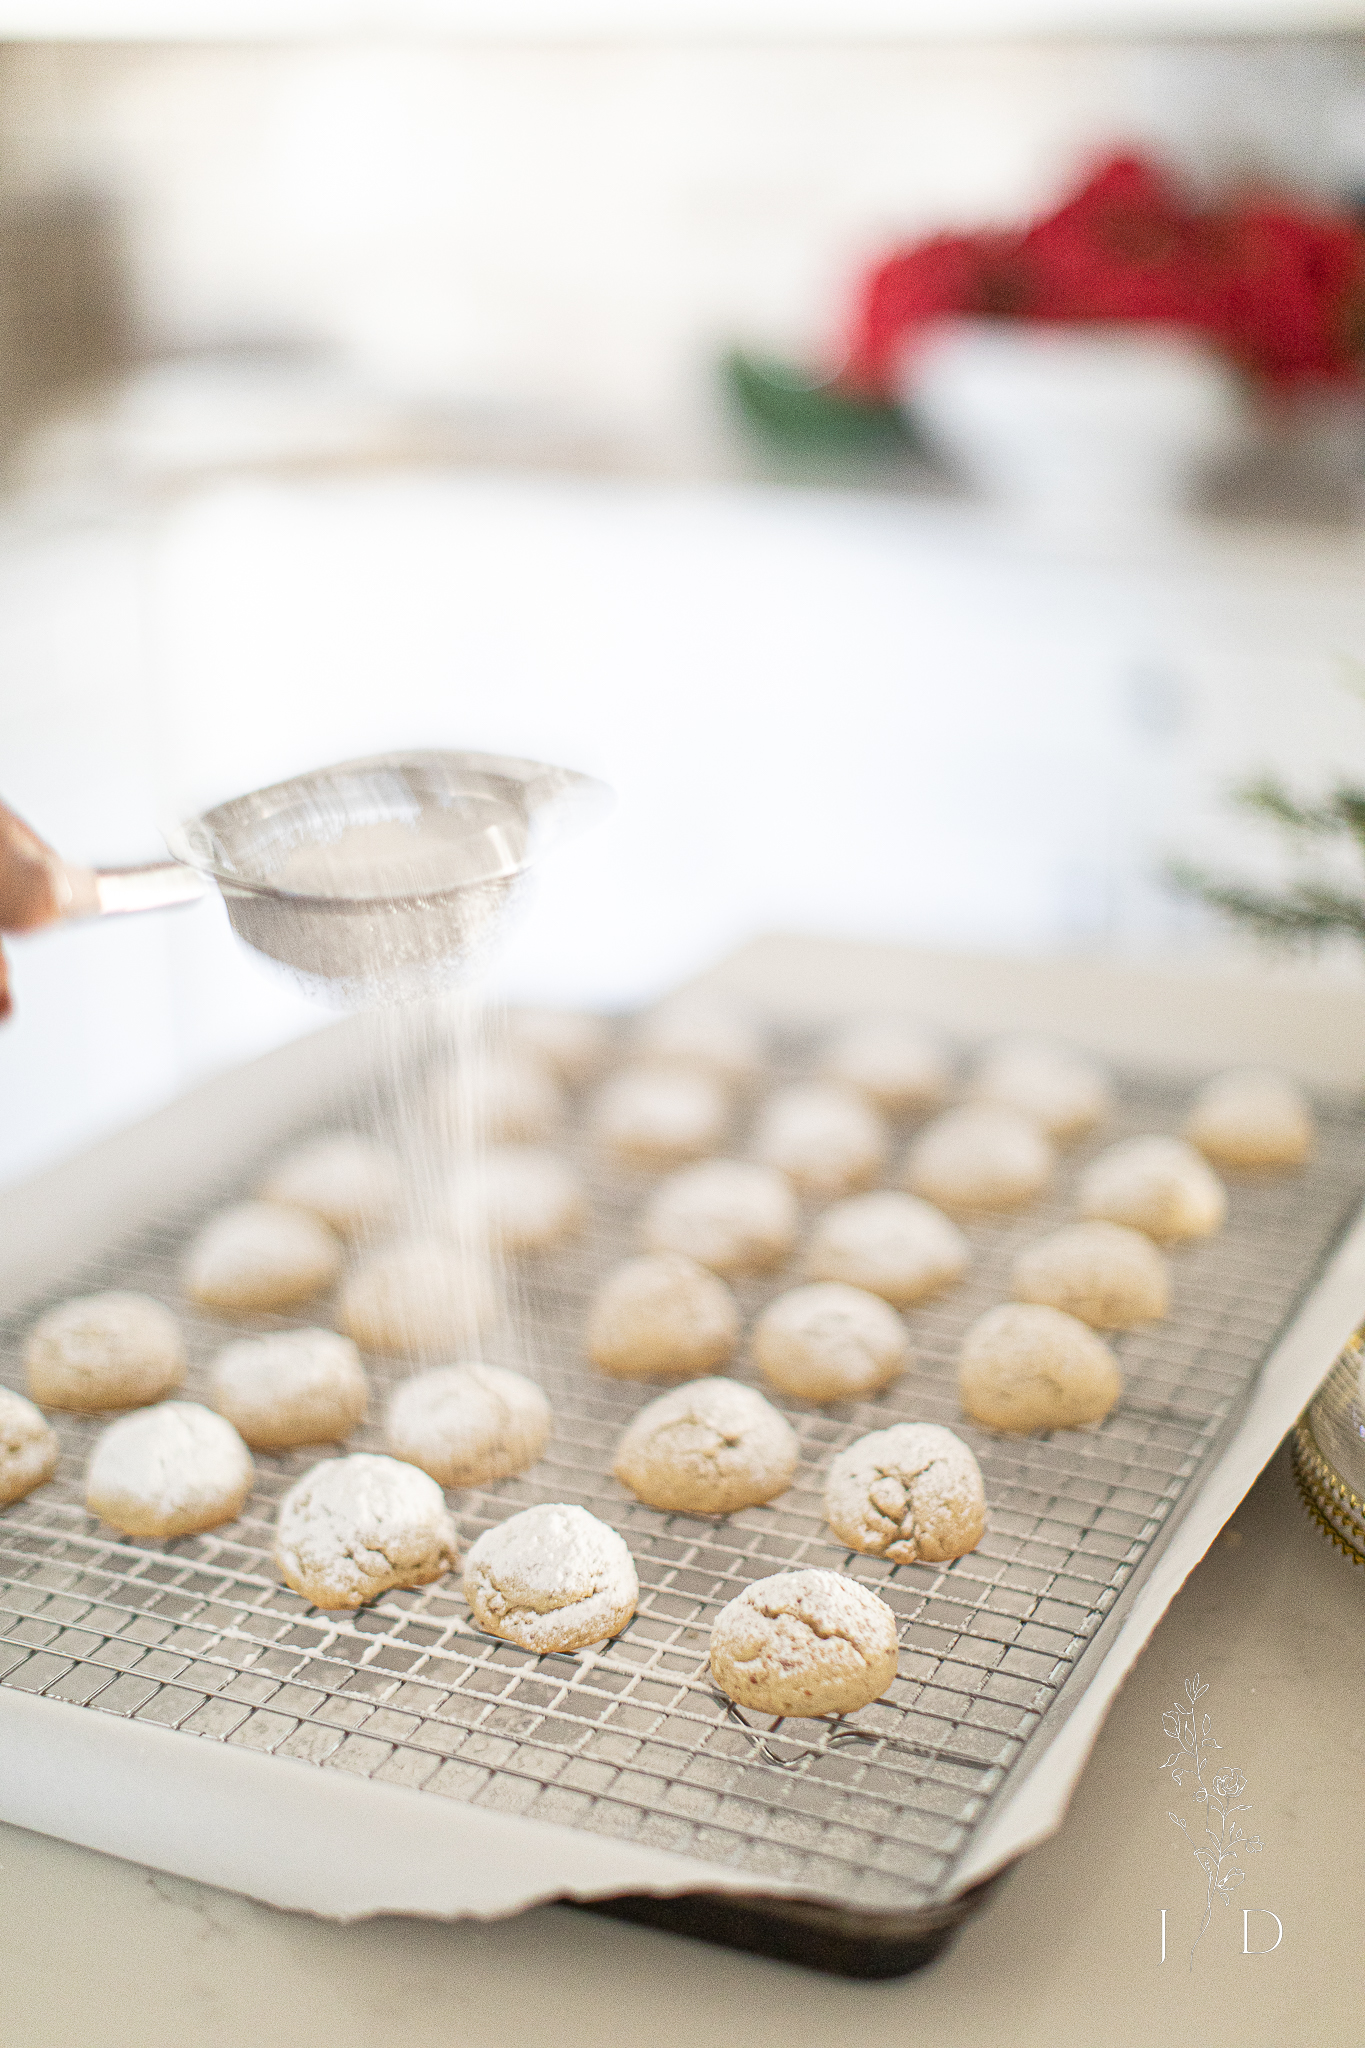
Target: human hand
{"type": "Point", "coordinates": [33, 887]}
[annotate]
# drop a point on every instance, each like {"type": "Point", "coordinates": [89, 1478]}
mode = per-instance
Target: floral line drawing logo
{"type": "Point", "coordinates": [1219, 1802]}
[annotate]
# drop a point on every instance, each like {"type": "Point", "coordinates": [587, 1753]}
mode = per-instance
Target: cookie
{"type": "Point", "coordinates": [729, 1214]}
{"type": "Point", "coordinates": [465, 1424]}
{"type": "Point", "coordinates": [912, 1493]}
{"type": "Point", "coordinates": [524, 1198]}
{"type": "Point", "coordinates": [356, 1527]}
{"type": "Point", "coordinates": [1111, 1277]}
{"type": "Point", "coordinates": [1251, 1117]}
{"type": "Point", "coordinates": [900, 1069]}
{"type": "Point", "coordinates": [292, 1387]}
{"type": "Point", "coordinates": [261, 1255]}
{"type": "Point", "coordinates": [707, 1448]}
{"type": "Point", "coordinates": [572, 1043]}
{"type": "Point", "coordinates": [826, 1139]}
{"type": "Point", "coordinates": [662, 1317]}
{"type": "Point", "coordinates": [509, 1097]}
{"type": "Point", "coordinates": [891, 1244]}
{"type": "Point", "coordinates": [551, 1578]}
{"type": "Point", "coordinates": [830, 1343]}
{"type": "Point", "coordinates": [807, 1642]}
{"type": "Point", "coordinates": [1157, 1184]}
{"type": "Point", "coordinates": [657, 1116]}
{"type": "Point", "coordinates": [168, 1471]}
{"type": "Point", "coordinates": [419, 1299]}
{"type": "Point", "coordinates": [983, 1156]}
{"type": "Point", "coordinates": [349, 1182]}
{"type": "Point", "coordinates": [1024, 1367]}
{"type": "Point", "coordinates": [28, 1447]}
{"type": "Point", "coordinates": [707, 1033]}
{"type": "Point", "coordinates": [104, 1351]}
{"type": "Point", "coordinates": [1061, 1090]}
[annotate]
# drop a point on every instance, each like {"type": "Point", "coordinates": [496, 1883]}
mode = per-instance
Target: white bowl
{"type": "Point", "coordinates": [1077, 423]}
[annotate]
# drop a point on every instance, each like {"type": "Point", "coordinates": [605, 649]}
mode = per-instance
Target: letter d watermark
{"type": "Point", "coordinates": [1247, 1949]}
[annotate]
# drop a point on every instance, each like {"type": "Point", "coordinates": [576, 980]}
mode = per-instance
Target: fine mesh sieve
{"type": "Point", "coordinates": [378, 880]}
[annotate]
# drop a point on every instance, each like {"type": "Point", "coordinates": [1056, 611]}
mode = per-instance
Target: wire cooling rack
{"type": "Point", "coordinates": [629, 1739]}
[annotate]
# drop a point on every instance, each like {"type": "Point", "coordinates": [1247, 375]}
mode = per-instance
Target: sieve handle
{"type": "Point", "coordinates": [113, 892]}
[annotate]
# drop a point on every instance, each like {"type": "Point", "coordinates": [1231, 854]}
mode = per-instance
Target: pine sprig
{"type": "Point", "coordinates": [1308, 910]}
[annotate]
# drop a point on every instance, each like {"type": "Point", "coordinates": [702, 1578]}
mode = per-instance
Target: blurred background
{"type": "Point", "coordinates": [429, 389]}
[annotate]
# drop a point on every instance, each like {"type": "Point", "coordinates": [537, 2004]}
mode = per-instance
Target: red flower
{"type": "Point", "coordinates": [1279, 286]}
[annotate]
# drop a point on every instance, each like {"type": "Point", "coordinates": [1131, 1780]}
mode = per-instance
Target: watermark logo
{"type": "Point", "coordinates": [1217, 1838]}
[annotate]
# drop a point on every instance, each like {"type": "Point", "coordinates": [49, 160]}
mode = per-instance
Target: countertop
{"type": "Point", "coordinates": [1067, 1953]}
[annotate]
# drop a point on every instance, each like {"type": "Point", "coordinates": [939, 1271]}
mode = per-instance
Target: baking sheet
{"type": "Point", "coordinates": [626, 1748]}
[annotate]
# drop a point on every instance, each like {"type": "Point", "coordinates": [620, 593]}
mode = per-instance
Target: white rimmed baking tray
{"type": "Point", "coordinates": [173, 1704]}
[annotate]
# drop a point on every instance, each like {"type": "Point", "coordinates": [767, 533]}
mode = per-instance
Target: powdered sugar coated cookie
{"type": "Point", "coordinates": [292, 1387]}
{"type": "Point", "coordinates": [662, 1317]}
{"type": "Point", "coordinates": [508, 1097]}
{"type": "Point", "coordinates": [349, 1182]}
{"type": "Point", "coordinates": [658, 1116]}
{"type": "Point", "coordinates": [572, 1043]}
{"type": "Point", "coordinates": [898, 1067]}
{"type": "Point", "coordinates": [729, 1214]}
{"type": "Point", "coordinates": [825, 1138]}
{"type": "Point", "coordinates": [417, 1299]}
{"type": "Point", "coordinates": [104, 1351]}
{"type": "Point", "coordinates": [524, 1197]}
{"type": "Point", "coordinates": [356, 1527]}
{"type": "Point", "coordinates": [1252, 1117]}
{"type": "Point", "coordinates": [1061, 1090]}
{"type": "Point", "coordinates": [168, 1471]}
{"type": "Point", "coordinates": [28, 1447]}
{"type": "Point", "coordinates": [1024, 1367]}
{"type": "Point", "coordinates": [830, 1342]}
{"type": "Point", "coordinates": [983, 1156]}
{"type": "Point", "coordinates": [551, 1578]}
{"type": "Point", "coordinates": [708, 1033]}
{"type": "Point", "coordinates": [465, 1424]}
{"type": "Point", "coordinates": [707, 1448]}
{"type": "Point", "coordinates": [891, 1244]}
{"type": "Point", "coordinates": [911, 1493]}
{"type": "Point", "coordinates": [1157, 1184]}
{"type": "Point", "coordinates": [805, 1642]}
{"type": "Point", "coordinates": [261, 1255]}
{"type": "Point", "coordinates": [1108, 1275]}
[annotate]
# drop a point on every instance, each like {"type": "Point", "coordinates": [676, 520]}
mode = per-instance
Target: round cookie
{"type": "Point", "coordinates": [104, 1351]}
{"type": "Point", "coordinates": [347, 1181]}
{"type": "Point", "coordinates": [1023, 1367]}
{"type": "Point", "coordinates": [572, 1043]}
{"type": "Point", "coordinates": [353, 1528]}
{"type": "Point", "coordinates": [891, 1244]}
{"type": "Point", "coordinates": [656, 1116]}
{"type": "Point", "coordinates": [467, 1423]}
{"type": "Point", "coordinates": [983, 1156]}
{"type": "Point", "coordinates": [292, 1387]}
{"type": "Point", "coordinates": [525, 1198]}
{"type": "Point", "coordinates": [662, 1317]}
{"type": "Point", "coordinates": [707, 1448]}
{"type": "Point", "coordinates": [706, 1033]}
{"type": "Point", "coordinates": [830, 1342]}
{"type": "Point", "coordinates": [1061, 1090]}
{"type": "Point", "coordinates": [900, 1069]}
{"type": "Point", "coordinates": [1111, 1277]}
{"type": "Point", "coordinates": [416, 1299]}
{"type": "Point", "coordinates": [729, 1214]}
{"type": "Point", "coordinates": [551, 1578]}
{"type": "Point", "coordinates": [28, 1447]}
{"type": "Point", "coordinates": [806, 1642]}
{"type": "Point", "coordinates": [825, 1138]}
{"type": "Point", "coordinates": [168, 1471]}
{"type": "Point", "coordinates": [1157, 1184]}
{"type": "Point", "coordinates": [510, 1097]}
{"type": "Point", "coordinates": [1251, 1117]}
{"type": "Point", "coordinates": [261, 1255]}
{"type": "Point", "coordinates": [912, 1493]}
